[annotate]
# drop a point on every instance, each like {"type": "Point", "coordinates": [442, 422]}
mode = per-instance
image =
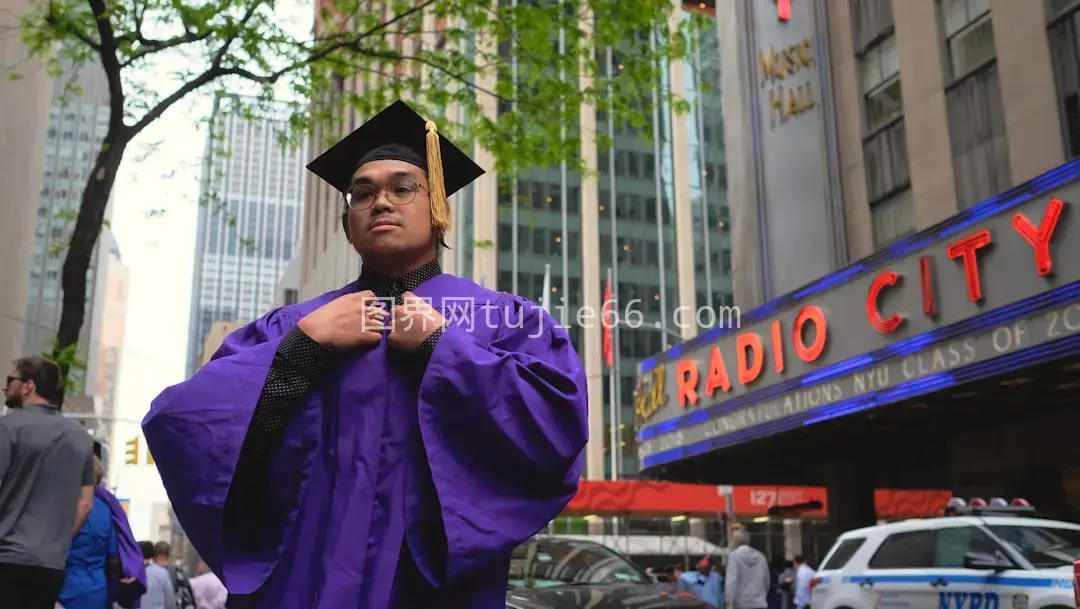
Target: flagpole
{"type": "Point", "coordinates": [613, 404]}
{"type": "Point", "coordinates": [547, 288]}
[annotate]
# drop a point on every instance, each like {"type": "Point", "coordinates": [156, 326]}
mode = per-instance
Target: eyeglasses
{"type": "Point", "coordinates": [13, 378]}
{"type": "Point", "coordinates": [399, 192]}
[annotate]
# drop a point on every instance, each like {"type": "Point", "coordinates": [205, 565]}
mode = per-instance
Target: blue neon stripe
{"type": "Point", "coordinates": [908, 346]}
{"type": "Point", "coordinates": [1011, 198]}
{"type": "Point", "coordinates": [995, 580]}
{"type": "Point", "coordinates": [1023, 358]}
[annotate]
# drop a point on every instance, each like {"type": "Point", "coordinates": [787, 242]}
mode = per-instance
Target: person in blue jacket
{"type": "Point", "coordinates": [93, 553]}
{"type": "Point", "coordinates": [704, 583]}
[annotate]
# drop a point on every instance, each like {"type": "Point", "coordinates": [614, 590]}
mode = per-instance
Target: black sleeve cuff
{"type": "Point", "coordinates": [303, 353]}
{"type": "Point", "coordinates": [428, 346]}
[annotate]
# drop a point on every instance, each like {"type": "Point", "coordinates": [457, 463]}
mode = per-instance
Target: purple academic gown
{"type": "Point", "coordinates": [129, 552]}
{"type": "Point", "coordinates": [397, 486]}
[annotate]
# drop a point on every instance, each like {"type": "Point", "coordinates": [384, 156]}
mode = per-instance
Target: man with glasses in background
{"type": "Point", "coordinates": [46, 485]}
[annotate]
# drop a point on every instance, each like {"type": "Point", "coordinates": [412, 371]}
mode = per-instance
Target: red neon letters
{"type": "Point", "coordinates": [884, 326]}
{"type": "Point", "coordinates": [718, 376]}
{"type": "Point", "coordinates": [929, 305]}
{"type": "Point", "coordinates": [783, 10]}
{"type": "Point", "coordinates": [748, 365]}
{"type": "Point", "coordinates": [810, 313]}
{"type": "Point", "coordinates": [751, 348]}
{"type": "Point", "coordinates": [750, 354]}
{"type": "Point", "coordinates": [966, 248]}
{"type": "Point", "coordinates": [777, 347]}
{"type": "Point", "coordinates": [1039, 239]}
{"type": "Point", "coordinates": [686, 376]}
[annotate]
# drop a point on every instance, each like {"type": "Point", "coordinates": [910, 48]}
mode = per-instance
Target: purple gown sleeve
{"type": "Point", "coordinates": [504, 425]}
{"type": "Point", "coordinates": [211, 437]}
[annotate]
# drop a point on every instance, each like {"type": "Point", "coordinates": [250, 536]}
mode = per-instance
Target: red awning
{"type": "Point", "coordinates": [645, 498]}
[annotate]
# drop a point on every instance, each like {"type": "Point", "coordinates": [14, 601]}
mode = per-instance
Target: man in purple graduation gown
{"type": "Point", "coordinates": [319, 461]}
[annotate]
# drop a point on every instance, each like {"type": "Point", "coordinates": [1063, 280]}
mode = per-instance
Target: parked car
{"type": "Point", "coordinates": [554, 573]}
{"type": "Point", "coordinates": [977, 557]}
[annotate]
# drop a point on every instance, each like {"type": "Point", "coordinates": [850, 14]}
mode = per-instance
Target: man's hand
{"type": "Point", "coordinates": [347, 322]}
{"type": "Point", "coordinates": [414, 321]}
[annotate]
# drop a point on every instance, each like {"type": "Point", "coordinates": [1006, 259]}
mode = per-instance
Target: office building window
{"type": "Point", "coordinates": [973, 102]}
{"type": "Point", "coordinates": [1063, 32]}
{"type": "Point", "coordinates": [885, 153]}
{"type": "Point", "coordinates": [969, 35]}
{"type": "Point", "coordinates": [880, 73]}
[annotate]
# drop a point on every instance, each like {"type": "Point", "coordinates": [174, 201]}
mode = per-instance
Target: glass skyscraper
{"type": "Point", "coordinates": [637, 233]}
{"type": "Point", "coordinates": [249, 219]}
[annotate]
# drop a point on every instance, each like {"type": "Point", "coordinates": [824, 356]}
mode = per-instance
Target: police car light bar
{"type": "Point", "coordinates": [997, 507]}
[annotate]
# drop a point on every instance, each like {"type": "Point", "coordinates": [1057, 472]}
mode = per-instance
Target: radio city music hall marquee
{"type": "Point", "coordinates": [775, 368]}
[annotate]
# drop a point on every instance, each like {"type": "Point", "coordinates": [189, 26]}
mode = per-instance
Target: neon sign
{"type": "Point", "coordinates": [783, 10]}
{"type": "Point", "coordinates": [965, 252]}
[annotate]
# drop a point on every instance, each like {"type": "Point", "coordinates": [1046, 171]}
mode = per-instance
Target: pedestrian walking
{"type": "Point", "coordinates": [746, 585]}
{"type": "Point", "coordinates": [160, 593]}
{"type": "Point", "coordinates": [93, 552]}
{"type": "Point", "coordinates": [704, 583]}
{"type": "Point", "coordinates": [46, 485]}
{"type": "Point", "coordinates": [127, 576]}
{"type": "Point", "coordinates": [387, 444]}
{"type": "Point", "coordinates": [210, 593]}
{"type": "Point", "coordinates": [803, 574]}
{"type": "Point", "coordinates": [785, 583]}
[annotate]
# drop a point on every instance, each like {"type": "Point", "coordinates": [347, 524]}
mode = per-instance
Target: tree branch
{"type": "Point", "coordinates": [346, 42]}
{"type": "Point", "coordinates": [149, 47]}
{"type": "Point", "coordinates": [107, 52]}
{"type": "Point", "coordinates": [212, 73]}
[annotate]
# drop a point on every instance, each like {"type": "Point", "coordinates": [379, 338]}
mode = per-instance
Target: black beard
{"type": "Point", "coordinates": [13, 401]}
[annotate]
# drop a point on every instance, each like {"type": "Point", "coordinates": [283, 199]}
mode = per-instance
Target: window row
{"type": "Point", "coordinates": [973, 101]}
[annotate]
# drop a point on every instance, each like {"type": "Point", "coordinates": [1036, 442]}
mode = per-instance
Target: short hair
{"type": "Point", "coordinates": [147, 548]}
{"type": "Point", "coordinates": [799, 559]}
{"type": "Point", "coordinates": [741, 536]}
{"type": "Point", "coordinates": [44, 372]}
{"type": "Point", "coordinates": [161, 548]}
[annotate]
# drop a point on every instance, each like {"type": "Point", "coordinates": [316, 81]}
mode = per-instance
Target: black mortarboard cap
{"type": "Point", "coordinates": [399, 133]}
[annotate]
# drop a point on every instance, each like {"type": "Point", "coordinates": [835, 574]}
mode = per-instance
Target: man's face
{"type": "Point", "coordinates": [16, 390]}
{"type": "Point", "coordinates": [390, 210]}
{"type": "Point", "coordinates": [703, 569]}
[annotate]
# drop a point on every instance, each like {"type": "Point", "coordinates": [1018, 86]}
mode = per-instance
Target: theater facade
{"type": "Point", "coordinates": [948, 360]}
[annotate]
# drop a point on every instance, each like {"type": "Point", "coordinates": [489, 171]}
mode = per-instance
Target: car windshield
{"type": "Point", "coordinates": [544, 563]}
{"type": "Point", "coordinates": [1043, 546]}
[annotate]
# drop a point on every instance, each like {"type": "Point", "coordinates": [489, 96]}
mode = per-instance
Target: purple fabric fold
{"type": "Point", "coordinates": [131, 557]}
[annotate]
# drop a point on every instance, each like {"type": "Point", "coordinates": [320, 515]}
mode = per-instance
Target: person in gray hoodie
{"type": "Point", "coordinates": [746, 584]}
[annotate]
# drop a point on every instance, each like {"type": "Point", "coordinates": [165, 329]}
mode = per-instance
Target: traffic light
{"type": "Point", "coordinates": [132, 452]}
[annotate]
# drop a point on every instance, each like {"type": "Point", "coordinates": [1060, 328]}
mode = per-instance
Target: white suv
{"type": "Point", "coordinates": [973, 560]}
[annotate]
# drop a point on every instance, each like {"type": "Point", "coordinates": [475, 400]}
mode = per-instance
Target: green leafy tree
{"type": "Point", "coordinates": [434, 53]}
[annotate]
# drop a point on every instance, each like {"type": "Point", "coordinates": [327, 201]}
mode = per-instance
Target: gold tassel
{"type": "Point", "coordinates": [440, 208]}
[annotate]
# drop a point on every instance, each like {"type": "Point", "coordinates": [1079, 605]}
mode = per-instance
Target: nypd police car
{"type": "Point", "coordinates": [978, 556]}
